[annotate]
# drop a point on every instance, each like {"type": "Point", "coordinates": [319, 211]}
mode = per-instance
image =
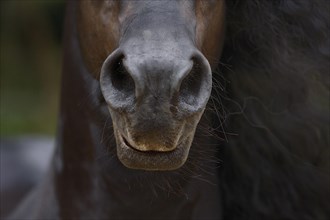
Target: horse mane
{"type": "Point", "coordinates": [275, 71]}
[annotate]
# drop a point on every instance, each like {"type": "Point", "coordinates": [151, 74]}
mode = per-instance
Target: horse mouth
{"type": "Point", "coordinates": [151, 152]}
{"type": "Point", "coordinates": [151, 160]}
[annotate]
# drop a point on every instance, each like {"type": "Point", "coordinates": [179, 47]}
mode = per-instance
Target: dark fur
{"type": "Point", "coordinates": [275, 70]}
{"type": "Point", "coordinates": [271, 95]}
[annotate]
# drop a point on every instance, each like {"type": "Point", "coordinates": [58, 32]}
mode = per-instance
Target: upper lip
{"type": "Point", "coordinates": [128, 144]}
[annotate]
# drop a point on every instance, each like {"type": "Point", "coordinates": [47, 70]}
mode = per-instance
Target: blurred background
{"type": "Point", "coordinates": [30, 71]}
{"type": "Point", "coordinates": [30, 66]}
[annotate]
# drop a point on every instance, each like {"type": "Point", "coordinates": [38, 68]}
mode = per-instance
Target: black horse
{"type": "Point", "coordinates": [141, 135]}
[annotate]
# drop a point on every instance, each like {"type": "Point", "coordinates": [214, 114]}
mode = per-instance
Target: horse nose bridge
{"type": "Point", "coordinates": [159, 74]}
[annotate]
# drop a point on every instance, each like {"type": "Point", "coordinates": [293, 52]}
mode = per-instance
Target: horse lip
{"type": "Point", "coordinates": [126, 143]}
{"type": "Point", "coordinates": [151, 160]}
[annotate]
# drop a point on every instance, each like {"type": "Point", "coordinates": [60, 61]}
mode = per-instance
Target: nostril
{"type": "Point", "coordinates": [190, 86]}
{"type": "Point", "coordinates": [116, 81]}
{"type": "Point", "coordinates": [120, 78]}
{"type": "Point", "coordinates": [196, 86]}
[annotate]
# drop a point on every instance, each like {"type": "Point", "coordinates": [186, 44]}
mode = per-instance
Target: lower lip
{"type": "Point", "coordinates": [151, 160]}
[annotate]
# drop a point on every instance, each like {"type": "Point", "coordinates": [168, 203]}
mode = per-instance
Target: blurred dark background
{"type": "Point", "coordinates": [30, 66]}
{"type": "Point", "coordinates": [30, 71]}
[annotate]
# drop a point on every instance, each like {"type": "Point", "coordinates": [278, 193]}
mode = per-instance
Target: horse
{"type": "Point", "coordinates": [191, 110]}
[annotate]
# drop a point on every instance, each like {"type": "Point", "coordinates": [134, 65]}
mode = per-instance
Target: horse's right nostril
{"type": "Point", "coordinates": [117, 84]}
{"type": "Point", "coordinates": [121, 79]}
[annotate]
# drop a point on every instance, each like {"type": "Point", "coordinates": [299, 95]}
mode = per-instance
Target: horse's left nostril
{"type": "Point", "coordinates": [191, 84]}
{"type": "Point", "coordinates": [195, 87]}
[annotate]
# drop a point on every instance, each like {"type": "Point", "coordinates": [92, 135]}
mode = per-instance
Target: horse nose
{"type": "Point", "coordinates": [184, 83]}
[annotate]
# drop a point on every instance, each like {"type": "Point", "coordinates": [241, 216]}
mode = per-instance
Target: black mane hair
{"type": "Point", "coordinates": [275, 70]}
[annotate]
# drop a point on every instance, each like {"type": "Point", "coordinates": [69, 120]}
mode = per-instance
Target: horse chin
{"type": "Point", "coordinates": [152, 160]}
